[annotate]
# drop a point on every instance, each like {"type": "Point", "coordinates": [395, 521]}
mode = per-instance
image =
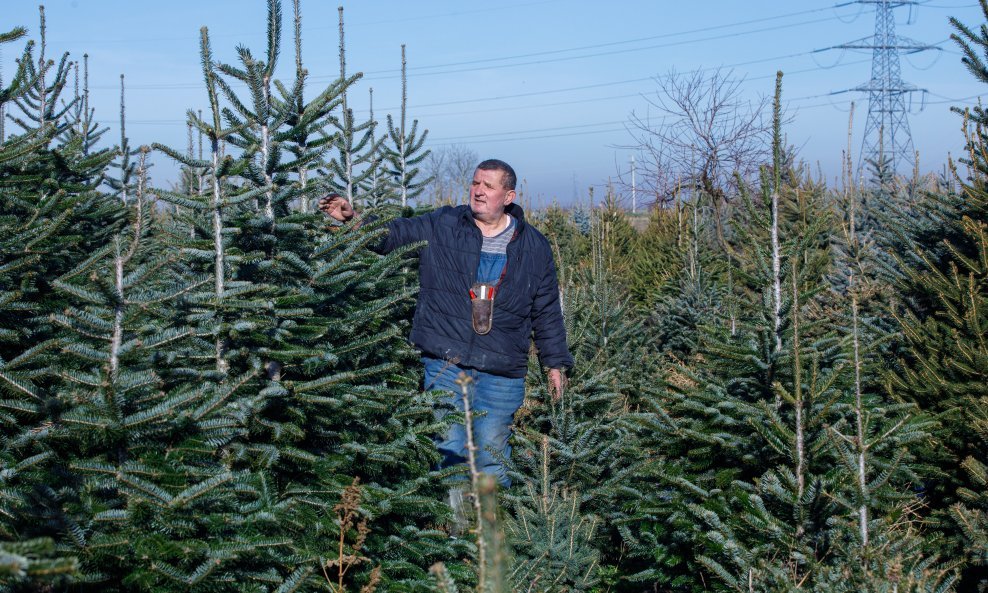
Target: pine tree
{"type": "Point", "coordinates": [123, 185]}
{"type": "Point", "coordinates": [405, 151]}
{"type": "Point", "coordinates": [32, 564]}
{"type": "Point", "coordinates": [305, 349]}
{"type": "Point", "coordinates": [942, 276]}
{"type": "Point", "coordinates": [971, 512]}
{"type": "Point", "coordinates": [143, 501]}
{"type": "Point", "coordinates": [358, 152]}
{"type": "Point", "coordinates": [763, 416]}
{"type": "Point", "coordinates": [572, 516]}
{"type": "Point", "coordinates": [53, 218]}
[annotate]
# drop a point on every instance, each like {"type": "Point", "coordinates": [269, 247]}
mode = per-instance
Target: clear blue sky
{"type": "Point", "coordinates": [546, 85]}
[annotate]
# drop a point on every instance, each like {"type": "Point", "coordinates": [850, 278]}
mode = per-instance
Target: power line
{"type": "Point", "coordinates": [970, 99]}
{"type": "Point", "coordinates": [526, 135]}
{"type": "Point", "coordinates": [608, 44]}
{"type": "Point", "coordinates": [628, 81]}
{"type": "Point", "coordinates": [540, 137]}
{"type": "Point", "coordinates": [517, 132]}
{"type": "Point", "coordinates": [519, 136]}
{"type": "Point", "coordinates": [602, 84]}
{"type": "Point", "coordinates": [552, 104]}
{"type": "Point", "coordinates": [947, 6]}
{"type": "Point", "coordinates": [612, 52]}
{"type": "Point", "coordinates": [370, 74]}
{"type": "Point", "coordinates": [569, 89]}
{"type": "Point", "coordinates": [195, 38]}
{"type": "Point", "coordinates": [369, 78]}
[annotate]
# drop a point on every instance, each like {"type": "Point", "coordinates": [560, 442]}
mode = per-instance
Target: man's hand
{"type": "Point", "coordinates": [557, 383]}
{"type": "Point", "coordinates": [337, 207]}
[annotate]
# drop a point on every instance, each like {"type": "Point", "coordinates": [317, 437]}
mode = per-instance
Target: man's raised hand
{"type": "Point", "coordinates": [337, 207]}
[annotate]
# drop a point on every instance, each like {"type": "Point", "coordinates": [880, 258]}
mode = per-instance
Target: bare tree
{"type": "Point", "coordinates": [698, 132]}
{"type": "Point", "coordinates": [451, 168]}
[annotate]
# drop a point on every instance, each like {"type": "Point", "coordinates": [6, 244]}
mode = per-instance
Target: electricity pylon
{"type": "Point", "coordinates": [887, 137]}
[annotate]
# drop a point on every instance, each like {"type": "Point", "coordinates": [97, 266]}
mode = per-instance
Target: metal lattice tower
{"type": "Point", "coordinates": [887, 134]}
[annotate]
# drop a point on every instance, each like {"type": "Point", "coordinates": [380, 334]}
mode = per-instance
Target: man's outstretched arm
{"type": "Point", "coordinates": [401, 231]}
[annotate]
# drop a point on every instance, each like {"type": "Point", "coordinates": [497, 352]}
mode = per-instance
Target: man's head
{"type": "Point", "coordinates": [508, 177]}
{"type": "Point", "coordinates": [492, 189]}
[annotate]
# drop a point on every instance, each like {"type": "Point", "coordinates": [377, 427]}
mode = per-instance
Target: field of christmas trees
{"type": "Point", "coordinates": [208, 387]}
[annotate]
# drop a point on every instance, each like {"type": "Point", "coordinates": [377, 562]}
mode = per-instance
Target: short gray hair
{"type": "Point", "coordinates": [508, 177]}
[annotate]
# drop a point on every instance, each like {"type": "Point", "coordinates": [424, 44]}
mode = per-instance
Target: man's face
{"type": "Point", "coordinates": [488, 197]}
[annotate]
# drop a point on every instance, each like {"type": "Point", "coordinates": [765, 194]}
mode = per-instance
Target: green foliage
{"type": "Point", "coordinates": [405, 153]}
{"type": "Point", "coordinates": [53, 217]}
{"type": "Point", "coordinates": [552, 537]}
{"type": "Point", "coordinates": [775, 391]}
{"type": "Point", "coordinates": [653, 263]}
{"type": "Point", "coordinates": [771, 481]}
{"type": "Point", "coordinates": [301, 344]}
{"type": "Point", "coordinates": [224, 373]}
{"type": "Point", "coordinates": [143, 500]}
{"type": "Point", "coordinates": [578, 466]}
{"type": "Point", "coordinates": [570, 241]}
{"type": "Point", "coordinates": [33, 562]}
{"type": "Point", "coordinates": [940, 270]}
{"type": "Point", "coordinates": [971, 513]}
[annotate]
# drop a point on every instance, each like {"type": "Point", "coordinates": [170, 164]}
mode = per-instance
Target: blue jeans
{"type": "Point", "coordinates": [498, 398]}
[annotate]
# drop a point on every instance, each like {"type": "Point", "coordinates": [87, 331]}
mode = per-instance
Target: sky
{"type": "Point", "coordinates": [547, 85]}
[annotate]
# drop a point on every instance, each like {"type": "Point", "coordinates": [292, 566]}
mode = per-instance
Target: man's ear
{"type": "Point", "coordinates": [509, 197]}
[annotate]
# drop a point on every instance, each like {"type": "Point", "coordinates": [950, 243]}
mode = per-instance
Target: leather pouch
{"type": "Point", "coordinates": [482, 306]}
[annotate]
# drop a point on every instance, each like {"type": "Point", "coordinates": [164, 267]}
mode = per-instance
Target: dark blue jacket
{"type": "Point", "coordinates": [527, 300]}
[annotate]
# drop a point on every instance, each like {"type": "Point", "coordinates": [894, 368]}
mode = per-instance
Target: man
{"type": "Point", "coordinates": [484, 249]}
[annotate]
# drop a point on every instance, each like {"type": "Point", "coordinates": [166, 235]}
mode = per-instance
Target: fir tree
{"type": "Point", "coordinates": [942, 276]}
{"type": "Point", "coordinates": [573, 512]}
{"type": "Point", "coordinates": [33, 563]}
{"type": "Point", "coordinates": [308, 143]}
{"type": "Point", "coordinates": [23, 414]}
{"type": "Point", "coordinates": [653, 261]}
{"type": "Point", "coordinates": [570, 242]}
{"type": "Point", "coordinates": [305, 351]}
{"type": "Point", "coordinates": [355, 163]}
{"type": "Point", "coordinates": [551, 533]}
{"type": "Point", "coordinates": [971, 512]}
{"type": "Point", "coordinates": [80, 116]}
{"type": "Point", "coordinates": [123, 185]}
{"type": "Point", "coordinates": [405, 151]}
{"type": "Point", "coordinates": [762, 418]}
{"type": "Point", "coordinates": [144, 502]}
{"type": "Point", "coordinates": [54, 217]}
{"type": "Point", "coordinates": [15, 237]}
{"type": "Point", "coordinates": [692, 295]}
